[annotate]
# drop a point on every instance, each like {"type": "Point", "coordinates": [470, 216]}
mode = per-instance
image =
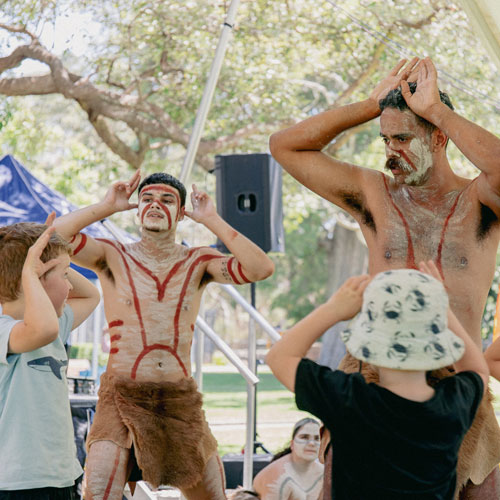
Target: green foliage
{"type": "Point", "coordinates": [5, 113]}
{"type": "Point", "coordinates": [234, 382]}
{"type": "Point", "coordinates": [225, 398]}
{"type": "Point", "coordinates": [490, 309]}
{"type": "Point", "coordinates": [84, 351]}
{"type": "Point", "coordinates": [298, 284]}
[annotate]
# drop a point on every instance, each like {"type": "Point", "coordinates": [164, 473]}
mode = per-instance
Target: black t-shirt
{"type": "Point", "coordinates": [384, 446]}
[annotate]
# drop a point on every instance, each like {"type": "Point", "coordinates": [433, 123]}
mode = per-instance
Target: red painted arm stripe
{"type": "Point", "coordinates": [83, 242]}
{"type": "Point", "coordinates": [240, 270]}
{"type": "Point", "coordinates": [116, 322]}
{"type": "Point", "coordinates": [229, 265]}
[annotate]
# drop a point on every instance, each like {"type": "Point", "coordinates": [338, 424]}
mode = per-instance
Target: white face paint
{"type": "Point", "coordinates": [159, 207]}
{"type": "Point", "coordinates": [422, 163]}
{"type": "Point", "coordinates": [305, 444]}
{"type": "Point", "coordinates": [408, 146]}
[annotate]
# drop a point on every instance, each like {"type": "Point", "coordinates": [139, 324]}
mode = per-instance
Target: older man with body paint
{"type": "Point", "coordinates": [424, 211]}
{"type": "Point", "coordinates": [149, 422]}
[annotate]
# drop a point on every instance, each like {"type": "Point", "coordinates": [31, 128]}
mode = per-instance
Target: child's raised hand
{"type": "Point", "coordinates": [50, 219]}
{"type": "Point", "coordinates": [33, 263]}
{"type": "Point", "coordinates": [429, 267]}
{"type": "Point", "coordinates": [348, 299]}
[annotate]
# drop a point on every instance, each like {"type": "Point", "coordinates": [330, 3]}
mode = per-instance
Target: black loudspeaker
{"type": "Point", "coordinates": [248, 189]}
{"type": "Point", "coordinates": [233, 467]}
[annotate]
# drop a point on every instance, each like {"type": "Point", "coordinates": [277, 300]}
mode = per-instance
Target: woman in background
{"type": "Point", "coordinates": [294, 473]}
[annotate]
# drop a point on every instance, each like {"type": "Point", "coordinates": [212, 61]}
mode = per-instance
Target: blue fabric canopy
{"type": "Point", "coordinates": [23, 198]}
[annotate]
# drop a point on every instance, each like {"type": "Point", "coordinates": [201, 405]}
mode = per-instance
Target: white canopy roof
{"type": "Point", "coordinates": [484, 16]}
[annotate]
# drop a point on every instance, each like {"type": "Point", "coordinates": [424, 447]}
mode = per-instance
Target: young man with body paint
{"type": "Point", "coordinates": [424, 211]}
{"type": "Point", "coordinates": [149, 411]}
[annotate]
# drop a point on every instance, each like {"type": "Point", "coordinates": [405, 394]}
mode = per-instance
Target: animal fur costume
{"type": "Point", "coordinates": [163, 421]}
{"type": "Point", "coordinates": [480, 450]}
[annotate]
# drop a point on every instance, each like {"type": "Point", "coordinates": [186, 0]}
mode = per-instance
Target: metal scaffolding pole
{"type": "Point", "coordinates": [250, 431]}
{"type": "Point", "coordinates": [261, 321]}
{"type": "Point", "coordinates": [201, 115]}
{"type": "Point", "coordinates": [247, 374]}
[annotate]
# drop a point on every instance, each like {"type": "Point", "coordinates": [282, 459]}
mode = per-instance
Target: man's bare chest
{"type": "Point", "coordinates": [155, 279]}
{"type": "Point", "coordinates": [445, 231]}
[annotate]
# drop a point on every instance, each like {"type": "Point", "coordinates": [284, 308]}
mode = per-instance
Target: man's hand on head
{"type": "Point", "coordinates": [399, 73]}
{"type": "Point", "coordinates": [426, 95]}
{"type": "Point", "coordinates": [118, 195]}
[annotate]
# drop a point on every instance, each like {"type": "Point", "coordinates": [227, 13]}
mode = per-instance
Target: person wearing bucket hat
{"type": "Point", "coordinates": [402, 324]}
{"type": "Point", "coordinates": [398, 438]}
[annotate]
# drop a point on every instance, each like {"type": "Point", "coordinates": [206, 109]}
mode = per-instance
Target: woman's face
{"type": "Point", "coordinates": [305, 444]}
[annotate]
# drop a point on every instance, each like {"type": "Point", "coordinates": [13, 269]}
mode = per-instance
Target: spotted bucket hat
{"type": "Point", "coordinates": [403, 323]}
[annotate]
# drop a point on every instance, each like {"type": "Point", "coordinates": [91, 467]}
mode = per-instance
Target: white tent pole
{"type": "Point", "coordinates": [201, 115]}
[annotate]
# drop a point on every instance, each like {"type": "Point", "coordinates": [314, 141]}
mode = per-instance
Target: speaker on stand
{"type": "Point", "coordinates": [249, 198]}
{"type": "Point", "coordinates": [248, 192]}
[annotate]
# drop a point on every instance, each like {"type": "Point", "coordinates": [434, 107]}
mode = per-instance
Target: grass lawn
{"type": "Point", "coordinates": [225, 399]}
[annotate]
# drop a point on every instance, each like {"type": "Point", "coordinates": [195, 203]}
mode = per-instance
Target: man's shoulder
{"type": "Point", "coordinates": [205, 250]}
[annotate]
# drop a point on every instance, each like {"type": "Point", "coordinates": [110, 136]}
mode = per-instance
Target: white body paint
{"type": "Point", "coordinates": [423, 162]}
{"type": "Point", "coordinates": [296, 476]}
{"type": "Point", "coordinates": [285, 482]}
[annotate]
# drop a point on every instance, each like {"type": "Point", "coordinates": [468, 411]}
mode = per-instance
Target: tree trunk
{"type": "Point", "coordinates": [347, 256]}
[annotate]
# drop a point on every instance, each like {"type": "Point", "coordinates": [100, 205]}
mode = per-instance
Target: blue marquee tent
{"type": "Point", "coordinates": [24, 198]}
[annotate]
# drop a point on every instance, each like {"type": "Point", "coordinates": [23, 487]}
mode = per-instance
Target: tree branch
{"type": "Point", "coordinates": [18, 29]}
{"type": "Point", "coordinates": [134, 158]}
{"type": "Point", "coordinates": [364, 76]}
{"type": "Point", "coordinates": [333, 148]}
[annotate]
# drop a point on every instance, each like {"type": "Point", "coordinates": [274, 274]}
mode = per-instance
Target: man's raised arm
{"type": "Point", "coordinates": [481, 147]}
{"type": "Point", "coordinates": [249, 263]}
{"type": "Point", "coordinates": [298, 148]}
{"type": "Point", "coordinates": [86, 250]}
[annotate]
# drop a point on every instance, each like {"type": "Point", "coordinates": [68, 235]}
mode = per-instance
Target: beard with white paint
{"type": "Point", "coordinates": [417, 173]}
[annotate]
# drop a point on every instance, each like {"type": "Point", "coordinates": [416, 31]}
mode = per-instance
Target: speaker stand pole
{"type": "Point", "coordinates": [251, 400]}
{"type": "Point", "coordinates": [206, 100]}
{"type": "Point", "coordinates": [253, 368]}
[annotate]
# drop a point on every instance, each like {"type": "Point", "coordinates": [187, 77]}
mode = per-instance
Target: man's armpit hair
{"type": "Point", "coordinates": [102, 265]}
{"type": "Point", "coordinates": [487, 220]}
{"type": "Point", "coordinates": [357, 203]}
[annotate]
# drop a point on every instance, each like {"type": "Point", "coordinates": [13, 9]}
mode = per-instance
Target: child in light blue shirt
{"type": "Point", "coordinates": [42, 300]}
